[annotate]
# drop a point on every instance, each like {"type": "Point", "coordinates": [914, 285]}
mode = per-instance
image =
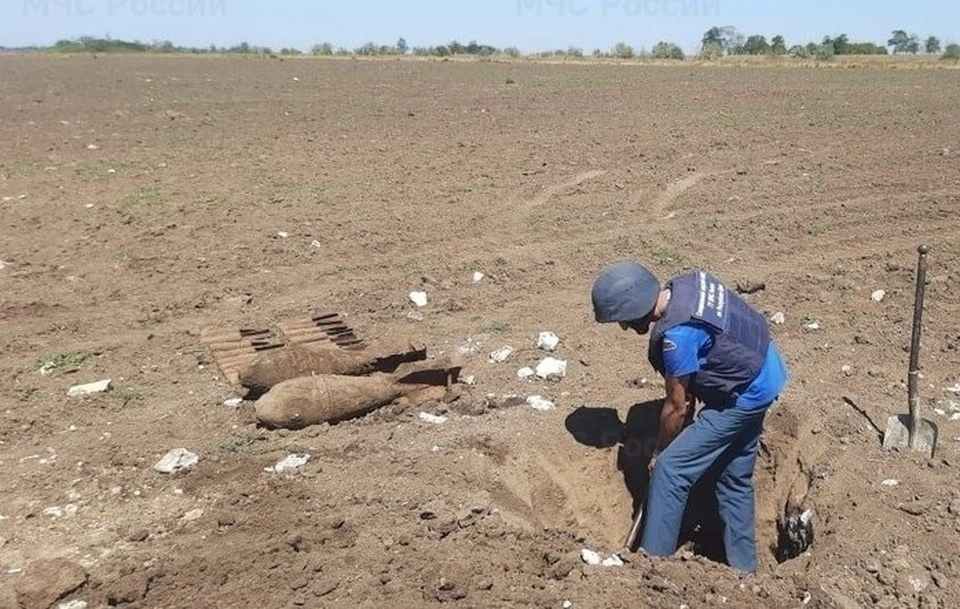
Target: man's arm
{"type": "Point", "coordinates": [676, 409]}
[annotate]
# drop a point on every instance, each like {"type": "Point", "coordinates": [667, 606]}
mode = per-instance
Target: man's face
{"type": "Point", "coordinates": [640, 326]}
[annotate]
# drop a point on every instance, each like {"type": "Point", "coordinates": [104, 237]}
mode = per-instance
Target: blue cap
{"type": "Point", "coordinates": [624, 292]}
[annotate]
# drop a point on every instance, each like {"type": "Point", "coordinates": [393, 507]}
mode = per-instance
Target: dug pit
{"type": "Point", "coordinates": [591, 483]}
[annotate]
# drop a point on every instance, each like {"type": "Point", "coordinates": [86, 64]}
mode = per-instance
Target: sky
{"type": "Point", "coordinates": [530, 25]}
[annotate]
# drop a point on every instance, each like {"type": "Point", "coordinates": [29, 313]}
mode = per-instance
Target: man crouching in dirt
{"type": "Point", "coordinates": [711, 346]}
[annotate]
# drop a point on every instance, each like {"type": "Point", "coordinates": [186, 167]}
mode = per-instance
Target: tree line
{"type": "Point", "coordinates": [715, 42]}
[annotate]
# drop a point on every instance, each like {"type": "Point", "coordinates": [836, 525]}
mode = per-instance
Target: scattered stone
{"type": "Point", "coordinates": [590, 557]}
{"type": "Point", "coordinates": [74, 604]}
{"type": "Point", "coordinates": [176, 461]}
{"type": "Point", "coordinates": [233, 402]}
{"type": "Point", "coordinates": [288, 463]}
{"type": "Point", "coordinates": [891, 482]}
{"type": "Point", "coordinates": [750, 287]}
{"type": "Point", "coordinates": [878, 296]}
{"type": "Point", "coordinates": [538, 402]}
{"type": "Point", "coordinates": [469, 347]}
{"type": "Point", "coordinates": [525, 373]}
{"type": "Point", "coordinates": [567, 604]}
{"type": "Point", "coordinates": [548, 341]}
{"type": "Point", "coordinates": [433, 419]}
{"type": "Point", "coordinates": [419, 298]}
{"type": "Point", "coordinates": [415, 316]}
{"type": "Point", "coordinates": [192, 515]}
{"type": "Point", "coordinates": [814, 325]}
{"type": "Point", "coordinates": [45, 582]}
{"type": "Point", "coordinates": [478, 276]}
{"type": "Point", "coordinates": [61, 512]}
{"type": "Point", "coordinates": [90, 388]}
{"type": "Point", "coordinates": [501, 355]}
{"type": "Point", "coordinates": [914, 508]}
{"type": "Point", "coordinates": [93, 147]}
{"type": "Point", "coordinates": [469, 380]}
{"type": "Point", "coordinates": [954, 389]}
{"type": "Point", "coordinates": [138, 536]}
{"type": "Point", "coordinates": [779, 318]}
{"type": "Point", "coordinates": [612, 561]}
{"type": "Point", "coordinates": [316, 244]}
{"type": "Point", "coordinates": [283, 234]}
{"type": "Point", "coordinates": [552, 369]}
{"type": "Point", "coordinates": [505, 401]}
{"type": "Point", "coordinates": [847, 370]}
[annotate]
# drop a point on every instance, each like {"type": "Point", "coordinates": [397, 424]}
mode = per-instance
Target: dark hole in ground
{"type": "Point", "coordinates": [794, 534]}
{"type": "Point", "coordinates": [701, 530]}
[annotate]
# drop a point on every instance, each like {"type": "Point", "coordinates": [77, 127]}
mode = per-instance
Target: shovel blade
{"type": "Point", "coordinates": [897, 435]}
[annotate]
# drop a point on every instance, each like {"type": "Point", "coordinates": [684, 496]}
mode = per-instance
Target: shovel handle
{"type": "Point", "coordinates": [913, 372]}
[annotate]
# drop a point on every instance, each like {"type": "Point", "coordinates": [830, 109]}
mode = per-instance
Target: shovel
{"type": "Point", "coordinates": [910, 431]}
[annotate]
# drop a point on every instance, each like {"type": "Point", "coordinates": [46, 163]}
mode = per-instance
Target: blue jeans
{"type": "Point", "coordinates": [721, 438]}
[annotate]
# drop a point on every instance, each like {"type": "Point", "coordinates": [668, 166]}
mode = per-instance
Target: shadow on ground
{"type": "Point", "coordinates": [601, 427]}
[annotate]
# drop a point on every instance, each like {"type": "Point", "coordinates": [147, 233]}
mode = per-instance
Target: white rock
{"type": "Point", "coordinates": [548, 341]}
{"type": "Point", "coordinates": [940, 412]}
{"type": "Point", "coordinates": [74, 604]}
{"type": "Point", "coordinates": [233, 402]}
{"type": "Point", "coordinates": [538, 402]}
{"type": "Point", "coordinates": [955, 416]}
{"type": "Point", "coordinates": [469, 380]}
{"type": "Point", "coordinates": [806, 517]}
{"type": "Point", "coordinates": [613, 561]}
{"type": "Point", "coordinates": [192, 515]}
{"type": "Point", "coordinates": [779, 318]}
{"type": "Point", "coordinates": [567, 604]}
{"type": "Point", "coordinates": [433, 419]}
{"type": "Point", "coordinates": [552, 368]}
{"type": "Point", "coordinates": [890, 482]}
{"type": "Point", "coordinates": [469, 347]}
{"type": "Point", "coordinates": [415, 316]}
{"type": "Point", "coordinates": [419, 298]}
{"type": "Point", "coordinates": [176, 461]}
{"type": "Point", "coordinates": [525, 373]}
{"type": "Point", "coordinates": [590, 557]}
{"type": "Point", "coordinates": [89, 205]}
{"type": "Point", "coordinates": [878, 296]}
{"type": "Point", "coordinates": [3, 265]}
{"type": "Point", "coordinates": [54, 511]}
{"type": "Point", "coordinates": [296, 79]}
{"type": "Point", "coordinates": [316, 244]}
{"type": "Point", "coordinates": [478, 276]}
{"type": "Point", "coordinates": [501, 355]}
{"type": "Point", "coordinates": [93, 147]}
{"type": "Point", "coordinates": [90, 388]}
{"type": "Point", "coordinates": [283, 234]}
{"type": "Point", "coordinates": [288, 463]}
{"type": "Point", "coordinates": [846, 370]}
{"type": "Point", "coordinates": [954, 389]}
{"type": "Point", "coordinates": [815, 325]}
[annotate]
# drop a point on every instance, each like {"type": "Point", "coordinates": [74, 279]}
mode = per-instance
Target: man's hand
{"type": "Point", "coordinates": [653, 462]}
{"type": "Point", "coordinates": [676, 408]}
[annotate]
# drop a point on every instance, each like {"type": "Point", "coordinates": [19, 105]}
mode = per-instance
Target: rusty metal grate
{"type": "Point", "coordinates": [233, 349]}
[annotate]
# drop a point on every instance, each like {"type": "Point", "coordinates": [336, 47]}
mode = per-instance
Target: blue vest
{"type": "Point", "coordinates": [740, 335]}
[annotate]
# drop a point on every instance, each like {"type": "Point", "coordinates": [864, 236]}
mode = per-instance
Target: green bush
{"type": "Point", "coordinates": [711, 50]}
{"type": "Point", "coordinates": [951, 52]}
{"type": "Point", "coordinates": [666, 50]}
{"type": "Point", "coordinates": [622, 50]}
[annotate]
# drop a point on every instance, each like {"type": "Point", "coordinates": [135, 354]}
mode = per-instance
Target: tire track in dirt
{"type": "Point", "coordinates": [815, 208]}
{"type": "Point", "coordinates": [552, 191]}
{"type": "Point", "coordinates": [675, 189]}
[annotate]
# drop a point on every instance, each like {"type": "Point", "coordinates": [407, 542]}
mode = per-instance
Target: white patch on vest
{"type": "Point", "coordinates": [721, 300]}
{"type": "Point", "coordinates": [703, 293]}
{"type": "Point", "coordinates": [669, 345]}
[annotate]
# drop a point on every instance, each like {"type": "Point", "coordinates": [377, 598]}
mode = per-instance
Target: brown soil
{"type": "Point", "coordinates": [142, 201]}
